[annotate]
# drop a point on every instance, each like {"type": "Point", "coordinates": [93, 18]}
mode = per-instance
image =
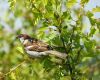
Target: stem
{"type": "Point", "coordinates": [11, 70]}
{"type": "Point", "coordinates": [63, 41]}
{"type": "Point", "coordinates": [68, 61]}
{"type": "Point", "coordinates": [78, 55]}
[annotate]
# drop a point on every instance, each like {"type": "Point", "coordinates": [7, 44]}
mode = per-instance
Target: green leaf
{"type": "Point", "coordinates": [86, 58]}
{"type": "Point", "coordinates": [84, 1]}
{"type": "Point", "coordinates": [97, 9]}
{"type": "Point", "coordinates": [89, 14]}
{"type": "Point", "coordinates": [13, 76]}
{"type": "Point", "coordinates": [45, 2]}
{"type": "Point", "coordinates": [70, 3]}
{"type": "Point", "coordinates": [93, 30]}
{"type": "Point", "coordinates": [20, 49]}
{"type": "Point", "coordinates": [12, 4]}
{"type": "Point", "coordinates": [42, 28]}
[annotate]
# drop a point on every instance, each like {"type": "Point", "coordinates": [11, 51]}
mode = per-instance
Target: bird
{"type": "Point", "coordinates": [38, 48]}
{"type": "Point", "coordinates": [33, 44]}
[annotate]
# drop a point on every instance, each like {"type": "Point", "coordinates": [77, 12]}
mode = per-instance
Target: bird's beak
{"type": "Point", "coordinates": [17, 36]}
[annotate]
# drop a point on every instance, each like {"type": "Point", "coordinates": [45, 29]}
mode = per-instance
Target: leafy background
{"type": "Point", "coordinates": [57, 22]}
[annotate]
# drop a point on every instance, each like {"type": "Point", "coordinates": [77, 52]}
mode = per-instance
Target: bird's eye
{"type": "Point", "coordinates": [31, 40]}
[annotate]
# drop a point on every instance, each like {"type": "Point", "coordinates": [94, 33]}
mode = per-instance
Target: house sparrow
{"type": "Point", "coordinates": [33, 44]}
{"type": "Point", "coordinates": [37, 48]}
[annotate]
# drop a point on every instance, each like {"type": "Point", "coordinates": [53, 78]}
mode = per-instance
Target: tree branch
{"type": "Point", "coordinates": [68, 57]}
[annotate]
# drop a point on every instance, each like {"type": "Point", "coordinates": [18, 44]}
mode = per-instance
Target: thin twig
{"type": "Point", "coordinates": [68, 57]}
{"type": "Point", "coordinates": [78, 55]}
{"type": "Point", "coordinates": [13, 69]}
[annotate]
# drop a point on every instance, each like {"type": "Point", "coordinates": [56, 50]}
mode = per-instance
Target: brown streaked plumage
{"type": "Point", "coordinates": [33, 44]}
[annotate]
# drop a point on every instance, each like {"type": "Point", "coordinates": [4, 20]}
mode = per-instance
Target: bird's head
{"type": "Point", "coordinates": [23, 37]}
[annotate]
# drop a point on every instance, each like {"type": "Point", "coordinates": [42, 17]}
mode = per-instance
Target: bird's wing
{"type": "Point", "coordinates": [41, 43]}
{"type": "Point", "coordinates": [36, 48]}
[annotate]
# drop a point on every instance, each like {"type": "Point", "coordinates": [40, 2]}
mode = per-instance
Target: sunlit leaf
{"type": "Point", "coordinates": [70, 3]}
{"type": "Point", "coordinates": [93, 30]}
{"type": "Point", "coordinates": [12, 4]}
{"type": "Point", "coordinates": [97, 9]}
{"type": "Point", "coordinates": [84, 1]}
{"type": "Point", "coordinates": [13, 76]}
{"type": "Point", "coordinates": [42, 28]}
{"type": "Point", "coordinates": [89, 14]}
{"type": "Point", "coordinates": [20, 49]}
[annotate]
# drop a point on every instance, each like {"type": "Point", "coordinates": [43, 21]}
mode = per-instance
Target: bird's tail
{"type": "Point", "coordinates": [57, 54]}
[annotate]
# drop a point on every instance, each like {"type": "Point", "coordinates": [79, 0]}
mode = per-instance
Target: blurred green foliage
{"type": "Point", "coordinates": [58, 23]}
